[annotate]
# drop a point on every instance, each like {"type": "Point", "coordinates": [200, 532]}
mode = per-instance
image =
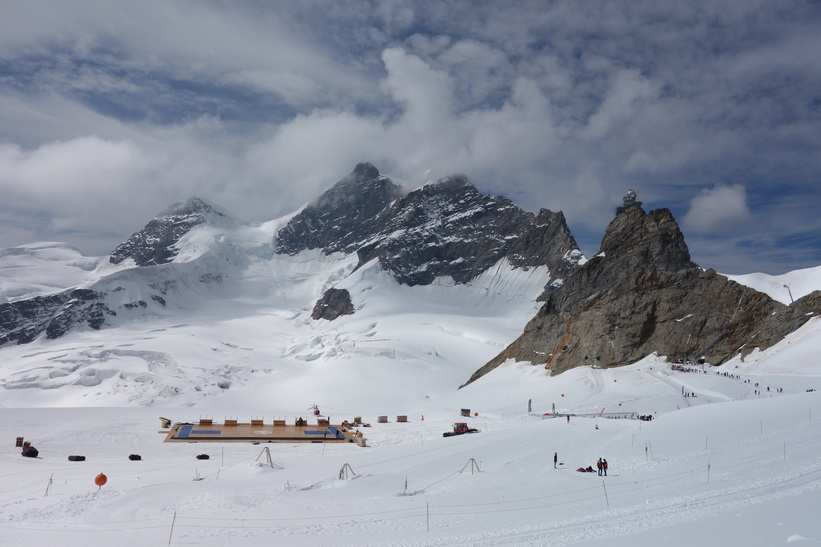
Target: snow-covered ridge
{"type": "Point", "coordinates": [252, 312]}
{"type": "Point", "coordinates": [44, 268]}
{"type": "Point", "coordinates": [784, 288]}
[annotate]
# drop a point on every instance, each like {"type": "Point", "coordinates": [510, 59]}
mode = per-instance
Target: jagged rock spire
{"type": "Point", "coordinates": [642, 294]}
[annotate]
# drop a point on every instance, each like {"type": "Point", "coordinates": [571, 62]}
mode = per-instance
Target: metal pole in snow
{"type": "Point", "coordinates": [172, 527]}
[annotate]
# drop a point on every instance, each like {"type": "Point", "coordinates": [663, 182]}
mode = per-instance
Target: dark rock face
{"type": "Point", "coordinates": [342, 216]}
{"type": "Point", "coordinates": [154, 244]}
{"type": "Point", "coordinates": [641, 295]}
{"type": "Point", "coordinates": [53, 315]}
{"type": "Point", "coordinates": [447, 228]}
{"type": "Point", "coordinates": [84, 306]}
{"type": "Point", "coordinates": [24, 320]}
{"type": "Point", "coordinates": [450, 229]}
{"type": "Point", "coordinates": [334, 303]}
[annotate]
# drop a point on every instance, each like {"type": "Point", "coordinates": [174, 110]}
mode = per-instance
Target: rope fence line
{"type": "Point", "coordinates": [355, 519]}
{"type": "Point", "coordinates": [633, 486]}
{"type": "Point", "coordinates": [774, 425]}
{"type": "Point", "coordinates": [728, 464]}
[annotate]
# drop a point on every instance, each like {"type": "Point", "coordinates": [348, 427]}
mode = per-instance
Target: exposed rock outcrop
{"type": "Point", "coordinates": [642, 294]}
{"type": "Point", "coordinates": [334, 303]}
{"type": "Point", "coordinates": [54, 315]}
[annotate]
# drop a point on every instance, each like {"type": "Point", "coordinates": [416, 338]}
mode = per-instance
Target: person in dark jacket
{"type": "Point", "coordinates": [555, 459]}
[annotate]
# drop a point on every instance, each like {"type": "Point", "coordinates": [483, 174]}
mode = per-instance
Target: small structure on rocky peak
{"type": "Point", "coordinates": [629, 200]}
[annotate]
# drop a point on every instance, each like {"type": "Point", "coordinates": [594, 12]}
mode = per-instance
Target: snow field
{"type": "Point", "coordinates": [683, 467]}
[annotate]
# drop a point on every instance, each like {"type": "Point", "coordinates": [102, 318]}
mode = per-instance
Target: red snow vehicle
{"type": "Point", "coordinates": [460, 428]}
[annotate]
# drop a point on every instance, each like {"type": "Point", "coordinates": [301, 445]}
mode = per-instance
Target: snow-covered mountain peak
{"type": "Point", "coordinates": [336, 219]}
{"type": "Point", "coordinates": [194, 206]}
{"type": "Point", "coordinates": [449, 183]}
{"type": "Point", "coordinates": [157, 242]}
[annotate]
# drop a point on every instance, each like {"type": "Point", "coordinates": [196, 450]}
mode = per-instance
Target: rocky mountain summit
{"type": "Point", "coordinates": [155, 244]}
{"type": "Point", "coordinates": [445, 228]}
{"type": "Point", "coordinates": [641, 294]}
{"type": "Point", "coordinates": [343, 216]}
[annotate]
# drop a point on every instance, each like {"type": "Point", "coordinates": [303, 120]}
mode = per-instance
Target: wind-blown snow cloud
{"type": "Point", "coordinates": [559, 105]}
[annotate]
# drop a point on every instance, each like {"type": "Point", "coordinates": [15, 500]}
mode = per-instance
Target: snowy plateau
{"type": "Point", "coordinates": [731, 456]}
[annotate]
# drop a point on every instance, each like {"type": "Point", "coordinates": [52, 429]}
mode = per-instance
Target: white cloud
{"type": "Point", "coordinates": [628, 94]}
{"type": "Point", "coordinates": [717, 209]}
{"type": "Point", "coordinates": [260, 106]}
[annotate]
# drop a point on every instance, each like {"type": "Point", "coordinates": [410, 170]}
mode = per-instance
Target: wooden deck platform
{"type": "Point", "coordinates": [257, 432]}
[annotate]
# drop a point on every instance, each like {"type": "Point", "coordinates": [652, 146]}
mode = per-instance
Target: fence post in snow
{"type": "Point", "coordinates": [607, 501]}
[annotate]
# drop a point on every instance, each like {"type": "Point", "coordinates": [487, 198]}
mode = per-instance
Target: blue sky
{"type": "Point", "coordinates": [111, 111]}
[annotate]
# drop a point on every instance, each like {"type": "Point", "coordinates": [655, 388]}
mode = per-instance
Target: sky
{"type": "Point", "coordinates": [111, 111]}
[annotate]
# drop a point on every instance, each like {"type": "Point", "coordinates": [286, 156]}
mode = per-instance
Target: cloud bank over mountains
{"type": "Point", "coordinates": [108, 113]}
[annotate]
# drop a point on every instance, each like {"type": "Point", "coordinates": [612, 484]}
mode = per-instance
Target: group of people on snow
{"type": "Point", "coordinates": [601, 465]}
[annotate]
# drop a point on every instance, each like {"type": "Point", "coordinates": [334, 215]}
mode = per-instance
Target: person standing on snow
{"type": "Point", "coordinates": [604, 466]}
{"type": "Point", "coordinates": [599, 466]}
{"type": "Point", "coordinates": [555, 459]}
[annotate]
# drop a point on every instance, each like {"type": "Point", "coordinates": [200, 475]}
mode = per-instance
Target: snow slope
{"type": "Point", "coordinates": [783, 288]}
{"type": "Point", "coordinates": [43, 268]}
{"type": "Point", "coordinates": [735, 462]}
